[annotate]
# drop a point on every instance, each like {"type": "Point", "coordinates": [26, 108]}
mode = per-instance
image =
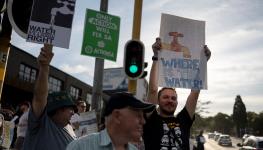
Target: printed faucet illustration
{"type": "Point", "coordinates": [176, 46]}
{"type": "Point", "coordinates": [63, 10]}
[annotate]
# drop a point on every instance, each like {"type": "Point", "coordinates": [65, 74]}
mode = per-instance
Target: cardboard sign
{"type": "Point", "coordinates": [51, 22]}
{"type": "Point", "coordinates": [182, 62]}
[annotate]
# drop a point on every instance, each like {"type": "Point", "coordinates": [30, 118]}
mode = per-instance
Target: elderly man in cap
{"type": "Point", "coordinates": [124, 122]}
{"type": "Point", "coordinates": [49, 116]}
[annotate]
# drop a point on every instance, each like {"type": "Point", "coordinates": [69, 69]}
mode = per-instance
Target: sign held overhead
{"type": "Point", "coordinates": [101, 35]}
{"type": "Point", "coordinates": [51, 22]}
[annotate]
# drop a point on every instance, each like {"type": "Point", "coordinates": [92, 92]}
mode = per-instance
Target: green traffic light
{"type": "Point", "coordinates": [133, 68]}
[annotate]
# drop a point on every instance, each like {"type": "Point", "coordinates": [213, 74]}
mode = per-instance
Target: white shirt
{"type": "Point", "coordinates": [75, 118]}
{"type": "Point", "coordinates": [22, 125]}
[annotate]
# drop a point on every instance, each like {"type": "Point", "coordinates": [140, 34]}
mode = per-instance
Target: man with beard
{"type": "Point", "coordinates": [164, 131]}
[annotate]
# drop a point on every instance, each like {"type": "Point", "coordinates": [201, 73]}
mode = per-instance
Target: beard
{"type": "Point", "coordinates": [166, 112]}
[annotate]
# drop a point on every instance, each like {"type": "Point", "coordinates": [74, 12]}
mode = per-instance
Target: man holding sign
{"type": "Point", "coordinates": [49, 116]}
{"type": "Point", "coordinates": [164, 131]}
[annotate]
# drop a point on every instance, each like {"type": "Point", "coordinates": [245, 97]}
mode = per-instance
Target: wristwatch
{"type": "Point", "coordinates": [154, 58]}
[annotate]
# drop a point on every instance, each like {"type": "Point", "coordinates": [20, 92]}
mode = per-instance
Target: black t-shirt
{"type": "Point", "coordinates": [171, 133]}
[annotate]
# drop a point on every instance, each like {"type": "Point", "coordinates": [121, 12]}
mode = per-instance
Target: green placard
{"type": "Point", "coordinates": [101, 35]}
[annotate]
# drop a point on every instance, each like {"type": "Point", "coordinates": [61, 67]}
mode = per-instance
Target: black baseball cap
{"type": "Point", "coordinates": [123, 99]}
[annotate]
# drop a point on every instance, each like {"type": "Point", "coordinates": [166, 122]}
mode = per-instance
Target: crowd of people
{"type": "Point", "coordinates": [49, 122]}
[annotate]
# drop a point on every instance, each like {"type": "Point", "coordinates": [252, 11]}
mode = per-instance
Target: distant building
{"type": "Point", "coordinates": [21, 73]}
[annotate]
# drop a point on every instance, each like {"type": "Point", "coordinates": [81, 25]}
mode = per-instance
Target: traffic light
{"type": "Point", "coordinates": [19, 12]}
{"type": "Point", "coordinates": [134, 59]}
{"type": "Point", "coordinates": [144, 74]}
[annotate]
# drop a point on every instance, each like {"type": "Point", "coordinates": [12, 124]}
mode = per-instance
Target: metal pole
{"type": "Point", "coordinates": [5, 37]}
{"type": "Point", "coordinates": [137, 15]}
{"type": "Point", "coordinates": [136, 31]}
{"type": "Point", "coordinates": [98, 72]}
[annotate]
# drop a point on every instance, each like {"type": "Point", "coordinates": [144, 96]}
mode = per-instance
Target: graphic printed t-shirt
{"type": "Point", "coordinates": [171, 133]}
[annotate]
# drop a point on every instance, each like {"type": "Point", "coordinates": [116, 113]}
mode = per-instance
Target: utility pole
{"type": "Point", "coordinates": [98, 73]}
{"type": "Point", "coordinates": [136, 31]}
{"type": "Point", "coordinates": [5, 38]}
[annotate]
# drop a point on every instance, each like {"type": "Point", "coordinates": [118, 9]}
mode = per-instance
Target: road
{"type": "Point", "coordinates": [211, 144]}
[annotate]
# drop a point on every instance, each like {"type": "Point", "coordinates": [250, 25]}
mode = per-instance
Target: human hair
{"type": "Point", "coordinates": [80, 102]}
{"type": "Point", "coordinates": [25, 103]}
{"type": "Point", "coordinates": [165, 88]}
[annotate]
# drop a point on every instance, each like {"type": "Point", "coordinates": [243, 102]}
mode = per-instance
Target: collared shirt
{"type": "Point", "coordinates": [95, 141]}
{"type": "Point", "coordinates": [44, 134]}
{"type": "Point", "coordinates": [75, 119]}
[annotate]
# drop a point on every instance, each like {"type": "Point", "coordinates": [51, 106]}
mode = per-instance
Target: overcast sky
{"type": "Point", "coordinates": [234, 34]}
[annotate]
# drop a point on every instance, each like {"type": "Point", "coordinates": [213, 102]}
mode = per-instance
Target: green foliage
{"type": "Point", "coordinates": [220, 122]}
{"type": "Point", "coordinates": [257, 125]}
{"type": "Point", "coordinates": [223, 123]}
{"type": "Point", "coordinates": [239, 115]}
{"type": "Point", "coordinates": [244, 122]}
{"type": "Point", "coordinates": [199, 124]}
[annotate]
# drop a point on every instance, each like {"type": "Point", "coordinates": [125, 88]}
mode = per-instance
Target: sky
{"type": "Point", "coordinates": [234, 34]}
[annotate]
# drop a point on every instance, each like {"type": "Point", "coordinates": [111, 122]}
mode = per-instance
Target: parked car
{"type": "Point", "coordinates": [211, 135]}
{"type": "Point", "coordinates": [252, 143]}
{"type": "Point", "coordinates": [224, 140]}
{"type": "Point", "coordinates": [245, 136]}
{"type": "Point", "coordinates": [217, 136]}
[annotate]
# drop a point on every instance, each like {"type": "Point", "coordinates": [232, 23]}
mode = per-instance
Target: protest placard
{"type": "Point", "coordinates": [7, 134]}
{"type": "Point", "coordinates": [182, 62]}
{"type": "Point", "coordinates": [88, 123]}
{"type": "Point", "coordinates": [101, 35]}
{"type": "Point", "coordinates": [51, 22]}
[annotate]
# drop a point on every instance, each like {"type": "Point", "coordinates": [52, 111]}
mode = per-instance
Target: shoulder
{"type": "Point", "coordinates": [32, 115]}
{"type": "Point", "coordinates": [34, 121]}
{"type": "Point", "coordinates": [84, 142]}
{"type": "Point", "coordinates": [132, 147]}
{"type": "Point", "coordinates": [24, 116]}
{"type": "Point", "coordinates": [75, 118]}
{"type": "Point", "coordinates": [151, 115]}
{"type": "Point", "coordinates": [184, 113]}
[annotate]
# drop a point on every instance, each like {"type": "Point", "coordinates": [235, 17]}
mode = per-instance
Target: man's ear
{"type": "Point", "coordinates": [116, 114]}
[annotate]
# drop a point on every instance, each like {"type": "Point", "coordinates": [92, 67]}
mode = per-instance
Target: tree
{"type": "Point", "coordinates": [223, 123]}
{"type": "Point", "coordinates": [239, 116]}
{"type": "Point", "coordinates": [200, 123]}
{"type": "Point", "coordinates": [202, 107]}
{"type": "Point", "coordinates": [251, 124]}
{"type": "Point", "coordinates": [258, 124]}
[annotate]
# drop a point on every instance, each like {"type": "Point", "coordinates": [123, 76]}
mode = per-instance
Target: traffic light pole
{"type": "Point", "coordinates": [98, 73]}
{"type": "Point", "coordinates": [5, 37]}
{"type": "Point", "coordinates": [136, 31]}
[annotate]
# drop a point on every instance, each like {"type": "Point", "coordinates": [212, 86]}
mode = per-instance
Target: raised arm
{"type": "Point", "coordinates": [153, 83]}
{"type": "Point", "coordinates": [39, 101]}
{"type": "Point", "coordinates": [194, 94]}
